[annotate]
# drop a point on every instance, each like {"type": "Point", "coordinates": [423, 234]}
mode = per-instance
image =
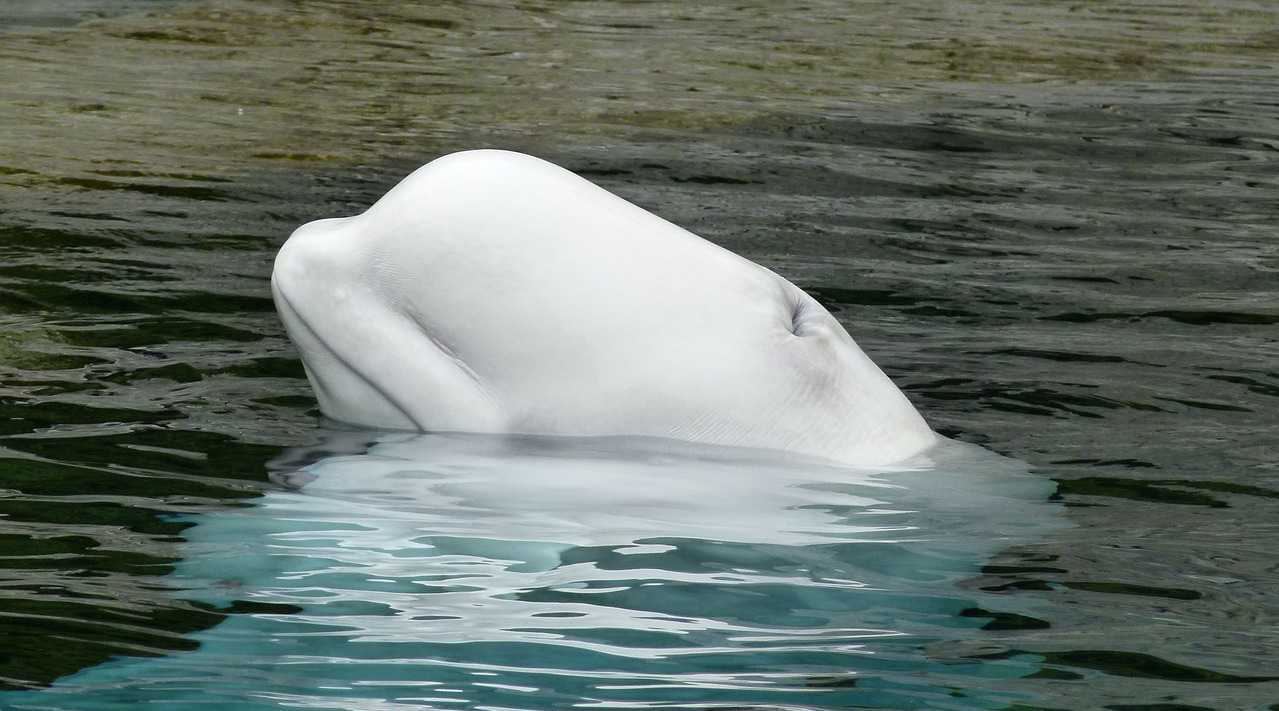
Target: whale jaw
{"type": "Point", "coordinates": [494, 292]}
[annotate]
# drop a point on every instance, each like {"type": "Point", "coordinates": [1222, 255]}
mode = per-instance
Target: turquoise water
{"type": "Point", "coordinates": [476, 572]}
{"type": "Point", "coordinates": [1053, 227]}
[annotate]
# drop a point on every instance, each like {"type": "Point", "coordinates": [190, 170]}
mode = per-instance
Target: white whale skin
{"type": "Point", "coordinates": [495, 292]}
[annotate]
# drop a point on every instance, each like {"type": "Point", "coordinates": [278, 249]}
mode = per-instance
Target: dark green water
{"type": "Point", "coordinates": [1059, 238]}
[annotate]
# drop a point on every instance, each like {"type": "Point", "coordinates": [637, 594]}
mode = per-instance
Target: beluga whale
{"type": "Point", "coordinates": [494, 292]}
{"type": "Point", "coordinates": [564, 384]}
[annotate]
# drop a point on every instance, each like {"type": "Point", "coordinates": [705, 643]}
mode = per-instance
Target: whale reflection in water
{"type": "Point", "coordinates": [474, 571]}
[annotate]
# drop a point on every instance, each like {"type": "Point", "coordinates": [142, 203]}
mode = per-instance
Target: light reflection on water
{"type": "Point", "coordinates": [1053, 225]}
{"type": "Point", "coordinates": [530, 573]}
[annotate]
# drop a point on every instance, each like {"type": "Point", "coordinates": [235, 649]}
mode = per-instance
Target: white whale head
{"type": "Point", "coordinates": [494, 292]}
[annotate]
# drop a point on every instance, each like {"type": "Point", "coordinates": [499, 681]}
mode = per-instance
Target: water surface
{"type": "Point", "coordinates": [1053, 226]}
{"type": "Point", "coordinates": [491, 572]}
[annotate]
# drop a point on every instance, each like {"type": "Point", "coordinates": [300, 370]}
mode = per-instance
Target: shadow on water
{"type": "Point", "coordinates": [531, 573]}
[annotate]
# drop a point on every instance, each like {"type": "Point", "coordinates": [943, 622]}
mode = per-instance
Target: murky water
{"type": "Point", "coordinates": [1053, 224]}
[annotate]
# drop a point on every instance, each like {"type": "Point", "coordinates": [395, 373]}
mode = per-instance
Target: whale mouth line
{"type": "Point", "coordinates": [448, 352]}
{"type": "Point", "coordinates": [344, 362]}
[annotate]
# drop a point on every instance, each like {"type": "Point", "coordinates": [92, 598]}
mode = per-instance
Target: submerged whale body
{"type": "Point", "coordinates": [493, 292]}
{"type": "Point", "coordinates": [430, 571]}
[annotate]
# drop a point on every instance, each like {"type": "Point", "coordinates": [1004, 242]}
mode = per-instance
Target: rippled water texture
{"type": "Point", "coordinates": [1054, 225]}
{"type": "Point", "coordinates": [477, 572]}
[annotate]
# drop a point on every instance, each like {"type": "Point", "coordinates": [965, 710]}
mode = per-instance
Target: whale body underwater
{"type": "Point", "coordinates": [439, 571]}
{"type": "Point", "coordinates": [495, 292]}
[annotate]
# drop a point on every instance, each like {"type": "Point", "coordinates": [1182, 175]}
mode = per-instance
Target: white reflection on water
{"type": "Point", "coordinates": [612, 570]}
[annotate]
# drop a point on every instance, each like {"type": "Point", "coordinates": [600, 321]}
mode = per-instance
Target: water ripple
{"type": "Point", "coordinates": [1053, 225]}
